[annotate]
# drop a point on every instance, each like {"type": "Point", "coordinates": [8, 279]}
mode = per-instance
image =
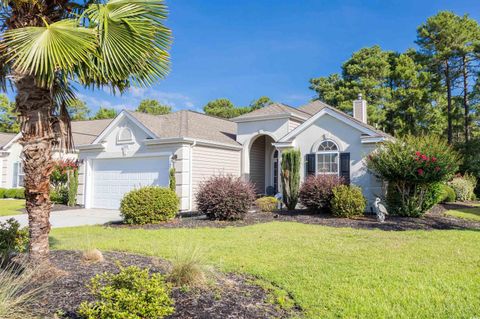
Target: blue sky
{"type": "Point", "coordinates": [242, 50]}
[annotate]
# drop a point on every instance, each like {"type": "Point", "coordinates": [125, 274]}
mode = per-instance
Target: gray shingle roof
{"type": "Point", "coordinates": [274, 109]}
{"type": "Point", "coordinates": [190, 124]}
{"type": "Point", "coordinates": [85, 132]}
{"type": "Point", "coordinates": [5, 138]}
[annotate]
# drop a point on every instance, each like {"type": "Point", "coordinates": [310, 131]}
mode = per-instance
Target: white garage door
{"type": "Point", "coordinates": [112, 178]}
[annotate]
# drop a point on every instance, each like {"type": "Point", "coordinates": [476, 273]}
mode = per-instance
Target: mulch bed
{"type": "Point", "coordinates": [232, 296]}
{"type": "Point", "coordinates": [434, 219]}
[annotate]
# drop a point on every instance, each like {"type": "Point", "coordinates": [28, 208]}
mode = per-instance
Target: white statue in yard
{"type": "Point", "coordinates": [380, 210]}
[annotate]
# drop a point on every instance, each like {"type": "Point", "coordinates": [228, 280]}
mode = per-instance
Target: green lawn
{"type": "Point", "coordinates": [330, 272]}
{"type": "Point", "coordinates": [466, 213]}
{"type": "Point", "coordinates": [11, 206]}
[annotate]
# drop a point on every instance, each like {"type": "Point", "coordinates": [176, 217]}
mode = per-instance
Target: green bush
{"type": "Point", "coordinates": [131, 294]}
{"type": "Point", "coordinates": [418, 199]}
{"type": "Point", "coordinates": [463, 187]}
{"type": "Point", "coordinates": [267, 204]}
{"type": "Point", "coordinates": [347, 201]}
{"type": "Point", "coordinates": [13, 238]}
{"type": "Point", "coordinates": [150, 204]}
{"type": "Point", "coordinates": [20, 193]}
{"type": "Point", "coordinates": [59, 195]}
{"type": "Point", "coordinates": [411, 166]}
{"type": "Point", "coordinates": [290, 177]}
{"type": "Point", "coordinates": [2, 192]}
{"type": "Point", "coordinates": [447, 194]}
{"type": "Point", "coordinates": [10, 193]}
{"type": "Point", "coordinates": [72, 188]}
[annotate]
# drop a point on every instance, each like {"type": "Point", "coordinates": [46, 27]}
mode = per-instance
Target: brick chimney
{"type": "Point", "coordinates": [360, 109]}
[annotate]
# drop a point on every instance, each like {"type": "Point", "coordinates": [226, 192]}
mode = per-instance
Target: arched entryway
{"type": "Point", "coordinates": [263, 165]}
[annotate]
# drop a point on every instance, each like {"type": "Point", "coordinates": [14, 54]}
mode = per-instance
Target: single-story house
{"type": "Point", "coordinates": [137, 149]}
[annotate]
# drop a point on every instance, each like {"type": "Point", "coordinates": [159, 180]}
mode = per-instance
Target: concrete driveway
{"type": "Point", "coordinates": [74, 217]}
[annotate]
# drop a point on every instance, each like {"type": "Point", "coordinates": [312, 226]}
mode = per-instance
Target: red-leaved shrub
{"type": "Point", "coordinates": [225, 198]}
{"type": "Point", "coordinates": [317, 191]}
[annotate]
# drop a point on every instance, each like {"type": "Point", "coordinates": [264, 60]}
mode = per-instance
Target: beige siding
{"type": "Point", "coordinates": [293, 125]}
{"type": "Point", "coordinates": [209, 161]}
{"type": "Point", "coordinates": [257, 164]}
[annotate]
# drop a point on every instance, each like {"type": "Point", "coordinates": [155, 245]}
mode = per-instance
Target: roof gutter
{"type": "Point", "coordinates": [188, 140]}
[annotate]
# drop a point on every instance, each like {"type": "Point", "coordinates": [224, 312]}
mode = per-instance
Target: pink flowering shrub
{"type": "Point", "coordinates": [411, 166]}
{"type": "Point", "coordinates": [225, 198]}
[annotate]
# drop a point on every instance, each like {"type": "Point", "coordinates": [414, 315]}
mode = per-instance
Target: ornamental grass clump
{"type": "Point", "coordinates": [225, 198]}
{"type": "Point", "coordinates": [412, 166]}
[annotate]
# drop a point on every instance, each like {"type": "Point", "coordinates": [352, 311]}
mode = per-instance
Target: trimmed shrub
{"type": "Point", "coordinates": [463, 187]}
{"type": "Point", "coordinates": [10, 193]}
{"type": "Point", "coordinates": [225, 198]}
{"type": "Point", "coordinates": [317, 191]}
{"type": "Point", "coordinates": [290, 177]}
{"type": "Point", "coordinates": [447, 194]}
{"type": "Point", "coordinates": [131, 294]}
{"type": "Point", "coordinates": [267, 204]}
{"type": "Point", "coordinates": [148, 205]}
{"type": "Point", "coordinates": [20, 193]}
{"type": "Point", "coordinates": [411, 166]}
{"type": "Point", "coordinates": [2, 192]}
{"type": "Point", "coordinates": [13, 238]}
{"type": "Point", "coordinates": [347, 201]}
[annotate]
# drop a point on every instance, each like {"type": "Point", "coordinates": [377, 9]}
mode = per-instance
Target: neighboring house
{"type": "Point", "coordinates": [138, 149]}
{"type": "Point", "coordinates": [11, 172]}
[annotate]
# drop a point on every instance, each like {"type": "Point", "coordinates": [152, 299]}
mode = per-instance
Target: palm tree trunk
{"type": "Point", "coordinates": [34, 105]}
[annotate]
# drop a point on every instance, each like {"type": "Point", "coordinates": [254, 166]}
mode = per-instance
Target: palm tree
{"type": "Point", "coordinates": [48, 44]}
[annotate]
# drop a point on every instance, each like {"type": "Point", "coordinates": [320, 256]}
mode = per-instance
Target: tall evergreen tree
{"type": "Point", "coordinates": [439, 39]}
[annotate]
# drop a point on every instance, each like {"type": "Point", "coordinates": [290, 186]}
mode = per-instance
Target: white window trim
{"type": "Point", "coordinates": [337, 152]}
{"type": "Point", "coordinates": [17, 177]}
{"type": "Point", "coordinates": [125, 141]}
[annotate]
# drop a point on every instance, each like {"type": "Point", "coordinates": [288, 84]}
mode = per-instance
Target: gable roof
{"type": "Point", "coordinates": [189, 124]}
{"type": "Point", "coordinates": [321, 109]}
{"type": "Point", "coordinates": [5, 138]}
{"type": "Point", "coordinates": [85, 132]}
{"type": "Point", "coordinates": [316, 106]}
{"type": "Point", "coordinates": [273, 110]}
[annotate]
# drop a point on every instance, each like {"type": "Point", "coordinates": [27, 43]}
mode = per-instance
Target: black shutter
{"type": "Point", "coordinates": [345, 167]}
{"type": "Point", "coordinates": [310, 161]}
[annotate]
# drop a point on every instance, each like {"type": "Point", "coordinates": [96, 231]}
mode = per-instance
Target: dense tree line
{"type": "Point", "coordinates": [78, 111]}
{"type": "Point", "coordinates": [431, 89]}
{"type": "Point", "coordinates": [225, 108]}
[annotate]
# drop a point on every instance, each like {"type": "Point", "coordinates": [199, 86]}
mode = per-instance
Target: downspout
{"type": "Point", "coordinates": [190, 192]}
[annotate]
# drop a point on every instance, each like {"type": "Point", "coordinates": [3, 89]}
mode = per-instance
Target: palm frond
{"type": "Point", "coordinates": [133, 42]}
{"type": "Point", "coordinates": [42, 51]}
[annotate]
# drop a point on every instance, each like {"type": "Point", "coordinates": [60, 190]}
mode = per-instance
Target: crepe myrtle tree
{"type": "Point", "coordinates": [48, 44]}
